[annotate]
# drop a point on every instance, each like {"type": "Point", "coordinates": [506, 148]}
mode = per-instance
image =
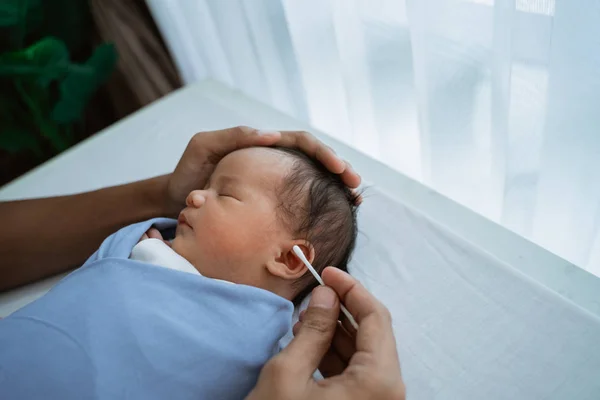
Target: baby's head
{"type": "Point", "coordinates": [258, 204]}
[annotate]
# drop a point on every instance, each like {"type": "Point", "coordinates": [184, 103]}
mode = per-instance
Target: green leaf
{"type": "Point", "coordinates": [52, 55]}
{"type": "Point", "coordinates": [75, 91]}
{"type": "Point", "coordinates": [44, 61]}
{"type": "Point", "coordinates": [52, 132]}
{"type": "Point", "coordinates": [103, 61]}
{"type": "Point", "coordinates": [81, 82]}
{"type": "Point", "coordinates": [14, 139]}
{"type": "Point", "coordinates": [37, 101]}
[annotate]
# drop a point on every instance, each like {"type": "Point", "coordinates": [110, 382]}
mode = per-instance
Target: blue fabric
{"type": "Point", "coordinates": [118, 328]}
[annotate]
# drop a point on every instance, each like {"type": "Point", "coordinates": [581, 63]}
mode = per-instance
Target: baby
{"type": "Point", "coordinates": [126, 324]}
{"type": "Point", "coordinates": [257, 205]}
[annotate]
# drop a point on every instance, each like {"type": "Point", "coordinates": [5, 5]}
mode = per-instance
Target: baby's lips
{"type": "Point", "coordinates": [182, 220]}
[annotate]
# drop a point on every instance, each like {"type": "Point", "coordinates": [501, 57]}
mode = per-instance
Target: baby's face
{"type": "Point", "coordinates": [230, 229]}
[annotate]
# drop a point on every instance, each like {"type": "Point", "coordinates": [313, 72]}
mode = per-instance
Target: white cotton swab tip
{"type": "Point", "coordinates": [302, 257]}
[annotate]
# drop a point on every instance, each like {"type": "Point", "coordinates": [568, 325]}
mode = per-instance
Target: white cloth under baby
{"type": "Point", "coordinates": [156, 252]}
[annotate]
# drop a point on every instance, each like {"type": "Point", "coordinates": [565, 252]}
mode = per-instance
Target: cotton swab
{"type": "Point", "coordinates": [301, 256]}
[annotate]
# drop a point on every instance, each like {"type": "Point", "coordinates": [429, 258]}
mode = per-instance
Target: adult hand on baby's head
{"type": "Point", "coordinates": [313, 147]}
{"type": "Point", "coordinates": [206, 149]}
{"type": "Point", "coordinates": [373, 371]}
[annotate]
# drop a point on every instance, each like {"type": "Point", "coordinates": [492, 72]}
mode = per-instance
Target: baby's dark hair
{"type": "Point", "coordinates": [321, 209]}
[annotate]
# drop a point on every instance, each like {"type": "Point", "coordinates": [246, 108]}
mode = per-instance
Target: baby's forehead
{"type": "Point", "coordinates": [255, 166]}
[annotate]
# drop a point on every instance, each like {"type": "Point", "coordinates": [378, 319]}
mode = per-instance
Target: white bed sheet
{"type": "Point", "coordinates": [478, 312]}
{"type": "Point", "coordinates": [467, 325]}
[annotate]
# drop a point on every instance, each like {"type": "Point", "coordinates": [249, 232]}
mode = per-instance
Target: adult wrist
{"type": "Point", "coordinates": [158, 198]}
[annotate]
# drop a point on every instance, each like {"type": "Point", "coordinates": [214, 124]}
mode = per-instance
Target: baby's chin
{"type": "Point", "coordinates": [224, 264]}
{"type": "Point", "coordinates": [178, 248]}
{"type": "Point", "coordinates": [209, 269]}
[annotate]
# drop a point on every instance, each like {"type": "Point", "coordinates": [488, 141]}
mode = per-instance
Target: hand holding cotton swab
{"type": "Point", "coordinates": [301, 256]}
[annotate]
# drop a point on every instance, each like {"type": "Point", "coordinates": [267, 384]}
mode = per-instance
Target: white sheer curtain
{"type": "Point", "coordinates": [495, 103]}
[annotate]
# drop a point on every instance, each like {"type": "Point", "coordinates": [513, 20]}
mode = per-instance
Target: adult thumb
{"type": "Point", "coordinates": [316, 332]}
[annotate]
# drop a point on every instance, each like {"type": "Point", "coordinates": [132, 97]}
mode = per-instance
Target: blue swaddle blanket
{"type": "Point", "coordinates": [119, 328]}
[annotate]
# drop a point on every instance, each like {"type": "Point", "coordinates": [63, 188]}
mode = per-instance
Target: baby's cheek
{"type": "Point", "coordinates": [229, 241]}
{"type": "Point", "coordinates": [235, 240]}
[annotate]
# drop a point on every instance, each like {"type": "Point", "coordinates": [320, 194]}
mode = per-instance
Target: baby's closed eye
{"type": "Point", "coordinates": [229, 192]}
{"type": "Point", "coordinates": [228, 195]}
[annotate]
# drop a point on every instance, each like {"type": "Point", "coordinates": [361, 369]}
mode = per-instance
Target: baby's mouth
{"type": "Point", "coordinates": [182, 220]}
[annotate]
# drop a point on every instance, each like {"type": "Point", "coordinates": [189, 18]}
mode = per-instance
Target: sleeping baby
{"type": "Point", "coordinates": [192, 308]}
{"type": "Point", "coordinates": [257, 205]}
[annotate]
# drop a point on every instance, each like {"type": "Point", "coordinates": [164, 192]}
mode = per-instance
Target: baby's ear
{"type": "Point", "coordinates": [287, 265]}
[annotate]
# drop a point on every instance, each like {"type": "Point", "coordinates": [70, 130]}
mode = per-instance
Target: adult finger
{"type": "Point", "coordinates": [345, 328]}
{"type": "Point", "coordinates": [347, 325]}
{"type": "Point", "coordinates": [222, 142]}
{"type": "Point", "coordinates": [351, 293]}
{"type": "Point", "coordinates": [341, 350]}
{"type": "Point", "coordinates": [343, 343]}
{"type": "Point", "coordinates": [312, 147]}
{"type": "Point", "coordinates": [372, 317]}
{"type": "Point", "coordinates": [375, 343]}
{"type": "Point", "coordinates": [350, 177]}
{"type": "Point", "coordinates": [358, 197]}
{"type": "Point", "coordinates": [202, 154]}
{"type": "Point", "coordinates": [332, 364]}
{"type": "Point", "coordinates": [314, 337]}
{"type": "Point", "coordinates": [324, 154]}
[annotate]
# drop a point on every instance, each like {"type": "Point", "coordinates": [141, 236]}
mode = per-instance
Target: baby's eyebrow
{"type": "Point", "coordinates": [229, 179]}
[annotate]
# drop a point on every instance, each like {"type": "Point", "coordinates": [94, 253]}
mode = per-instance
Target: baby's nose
{"type": "Point", "coordinates": [196, 198]}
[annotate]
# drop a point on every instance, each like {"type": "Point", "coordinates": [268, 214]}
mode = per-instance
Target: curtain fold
{"type": "Point", "coordinates": [494, 103]}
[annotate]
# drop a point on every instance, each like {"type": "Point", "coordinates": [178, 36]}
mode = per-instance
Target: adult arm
{"type": "Point", "coordinates": [42, 237]}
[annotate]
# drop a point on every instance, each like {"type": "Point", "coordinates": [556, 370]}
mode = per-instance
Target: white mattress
{"type": "Point", "coordinates": [479, 313]}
